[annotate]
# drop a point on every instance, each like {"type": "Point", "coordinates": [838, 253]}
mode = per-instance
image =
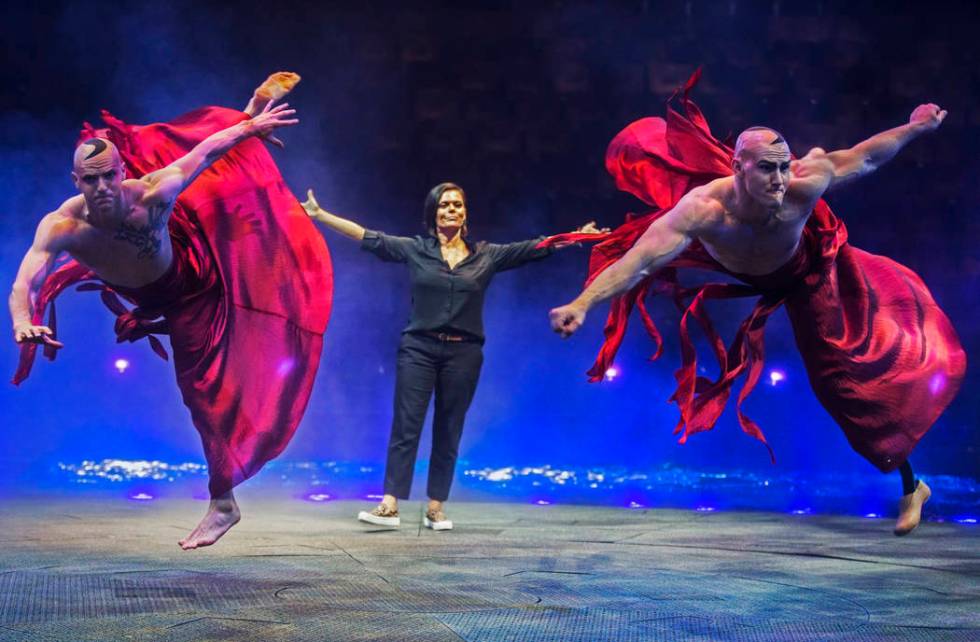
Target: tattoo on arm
{"type": "Point", "coordinates": [147, 237]}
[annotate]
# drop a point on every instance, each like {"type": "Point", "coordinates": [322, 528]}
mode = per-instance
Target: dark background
{"type": "Point", "coordinates": [516, 102]}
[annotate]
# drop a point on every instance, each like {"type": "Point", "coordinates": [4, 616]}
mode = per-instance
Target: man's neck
{"type": "Point", "coordinates": [108, 220]}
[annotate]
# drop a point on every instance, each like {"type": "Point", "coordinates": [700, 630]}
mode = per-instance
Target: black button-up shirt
{"type": "Point", "coordinates": [444, 299]}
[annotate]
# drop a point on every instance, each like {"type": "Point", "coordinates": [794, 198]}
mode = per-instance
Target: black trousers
{"type": "Point", "coordinates": [427, 364]}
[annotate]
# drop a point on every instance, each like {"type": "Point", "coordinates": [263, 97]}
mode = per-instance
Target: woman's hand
{"type": "Point", "coordinates": [331, 221]}
{"type": "Point", "coordinates": [588, 228]}
{"type": "Point", "coordinates": [312, 208]}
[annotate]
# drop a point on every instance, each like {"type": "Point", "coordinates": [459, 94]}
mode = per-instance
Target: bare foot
{"type": "Point", "coordinates": [274, 88]}
{"type": "Point", "coordinates": [222, 514]}
{"type": "Point", "coordinates": [910, 509]}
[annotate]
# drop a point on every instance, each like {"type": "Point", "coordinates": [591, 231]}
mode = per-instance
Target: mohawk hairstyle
{"type": "Point", "coordinates": [759, 128]}
{"type": "Point", "coordinates": [99, 145]}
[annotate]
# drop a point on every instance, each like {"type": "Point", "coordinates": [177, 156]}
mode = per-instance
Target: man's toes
{"type": "Point", "coordinates": [278, 85]}
{"type": "Point", "coordinates": [189, 541]}
{"type": "Point", "coordinates": [285, 79]}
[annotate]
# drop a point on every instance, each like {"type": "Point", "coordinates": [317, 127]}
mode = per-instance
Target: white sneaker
{"type": "Point", "coordinates": [437, 521]}
{"type": "Point", "coordinates": [382, 515]}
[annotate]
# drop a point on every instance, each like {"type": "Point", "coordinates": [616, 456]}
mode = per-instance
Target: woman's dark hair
{"type": "Point", "coordinates": [432, 204]}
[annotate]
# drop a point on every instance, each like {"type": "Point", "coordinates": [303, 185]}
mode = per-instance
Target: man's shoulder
{"type": "Point", "coordinates": [811, 176]}
{"type": "Point", "coordinates": [60, 226]}
{"type": "Point", "coordinates": [72, 207]}
{"type": "Point", "coordinates": [816, 161]}
{"type": "Point", "coordinates": [709, 200]}
{"type": "Point", "coordinates": [136, 188]}
{"type": "Point", "coordinates": [713, 193]}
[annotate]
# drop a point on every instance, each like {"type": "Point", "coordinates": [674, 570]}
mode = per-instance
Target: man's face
{"type": "Point", "coordinates": [763, 166]}
{"type": "Point", "coordinates": [98, 175]}
{"type": "Point", "coordinates": [451, 212]}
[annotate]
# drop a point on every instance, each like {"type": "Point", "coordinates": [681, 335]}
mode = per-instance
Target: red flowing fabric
{"type": "Point", "coordinates": [245, 302]}
{"type": "Point", "coordinates": [882, 357]}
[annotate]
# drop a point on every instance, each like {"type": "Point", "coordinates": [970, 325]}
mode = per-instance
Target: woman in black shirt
{"type": "Point", "coordinates": [442, 347]}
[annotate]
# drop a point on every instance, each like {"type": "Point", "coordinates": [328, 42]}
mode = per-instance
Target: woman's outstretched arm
{"type": "Point", "coordinates": [350, 229]}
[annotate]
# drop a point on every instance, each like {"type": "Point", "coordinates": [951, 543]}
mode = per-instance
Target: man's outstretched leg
{"type": "Point", "coordinates": [915, 493]}
{"type": "Point", "coordinates": [222, 514]}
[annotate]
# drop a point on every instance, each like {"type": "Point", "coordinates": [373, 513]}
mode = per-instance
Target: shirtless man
{"type": "Point", "coordinates": [751, 223]}
{"type": "Point", "coordinates": [117, 227]}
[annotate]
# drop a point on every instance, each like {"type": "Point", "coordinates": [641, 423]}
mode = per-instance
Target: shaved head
{"type": "Point", "coordinates": [757, 140]}
{"type": "Point", "coordinates": [762, 166]}
{"type": "Point", "coordinates": [98, 173]}
{"type": "Point", "coordinates": [97, 150]}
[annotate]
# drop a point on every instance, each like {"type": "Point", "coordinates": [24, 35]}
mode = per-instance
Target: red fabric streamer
{"type": "Point", "coordinates": [245, 302]}
{"type": "Point", "coordinates": [882, 357]}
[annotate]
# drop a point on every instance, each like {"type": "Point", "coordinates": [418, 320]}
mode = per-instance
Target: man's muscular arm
{"type": "Point", "coordinates": [167, 183]}
{"type": "Point", "coordinates": [867, 156]}
{"type": "Point", "coordinates": [666, 237]}
{"type": "Point", "coordinates": [34, 269]}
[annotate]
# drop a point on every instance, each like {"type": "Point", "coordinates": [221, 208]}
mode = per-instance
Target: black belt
{"type": "Point", "coordinates": [448, 336]}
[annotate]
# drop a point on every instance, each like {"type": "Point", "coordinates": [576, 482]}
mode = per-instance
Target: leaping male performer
{"type": "Point", "coordinates": [882, 358]}
{"type": "Point", "coordinates": [208, 243]}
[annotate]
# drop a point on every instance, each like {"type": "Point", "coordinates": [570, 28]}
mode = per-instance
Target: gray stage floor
{"type": "Point", "coordinates": [109, 569]}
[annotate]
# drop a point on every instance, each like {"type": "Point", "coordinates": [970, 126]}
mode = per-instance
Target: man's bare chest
{"type": "Point", "coordinates": [776, 230]}
{"type": "Point", "coordinates": [757, 246]}
{"type": "Point", "coordinates": [132, 250]}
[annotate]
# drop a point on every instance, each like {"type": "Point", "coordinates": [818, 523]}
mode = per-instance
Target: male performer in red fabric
{"type": "Point", "coordinates": [213, 249]}
{"type": "Point", "coordinates": [881, 356]}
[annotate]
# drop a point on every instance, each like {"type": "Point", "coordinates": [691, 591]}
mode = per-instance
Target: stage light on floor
{"type": "Point", "coordinates": [142, 497]}
{"type": "Point", "coordinates": [542, 502]}
{"type": "Point", "coordinates": [776, 377]}
{"type": "Point", "coordinates": [612, 372]}
{"type": "Point", "coordinates": [121, 365]}
{"type": "Point", "coordinates": [317, 497]}
{"type": "Point", "coordinates": [800, 511]}
{"type": "Point", "coordinates": [872, 515]}
{"type": "Point", "coordinates": [705, 509]}
{"type": "Point", "coordinates": [965, 520]}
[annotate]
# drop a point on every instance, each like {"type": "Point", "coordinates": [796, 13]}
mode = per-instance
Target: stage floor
{"type": "Point", "coordinates": [99, 568]}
